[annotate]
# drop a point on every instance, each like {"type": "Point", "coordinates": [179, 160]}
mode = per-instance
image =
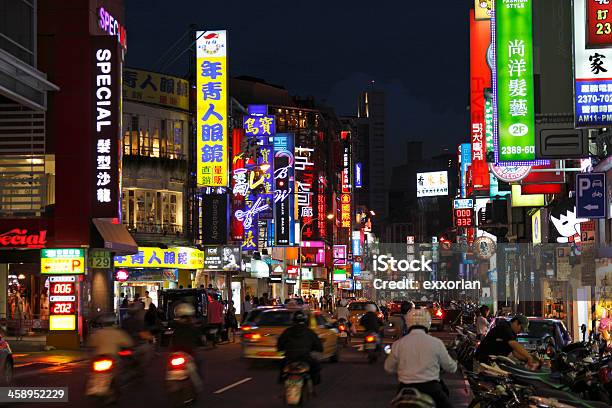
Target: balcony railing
{"type": "Point", "coordinates": [152, 228]}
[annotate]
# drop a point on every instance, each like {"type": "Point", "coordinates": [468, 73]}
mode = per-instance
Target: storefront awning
{"type": "Point", "coordinates": [116, 237]}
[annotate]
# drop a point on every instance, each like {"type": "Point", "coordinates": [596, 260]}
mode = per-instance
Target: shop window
{"type": "Point", "coordinates": [152, 211]}
{"type": "Point", "coordinates": [154, 125]}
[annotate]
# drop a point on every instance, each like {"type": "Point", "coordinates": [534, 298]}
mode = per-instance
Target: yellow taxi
{"type": "Point", "coordinates": [357, 309]}
{"type": "Point", "coordinates": [260, 341]}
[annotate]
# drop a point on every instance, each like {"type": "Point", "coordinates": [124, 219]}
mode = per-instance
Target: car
{"type": "Point", "coordinates": [540, 330]}
{"type": "Point", "coordinates": [250, 320]}
{"type": "Point", "coordinates": [357, 309]}
{"type": "Point", "coordinates": [260, 342]}
{"type": "Point", "coordinates": [6, 362]}
{"type": "Point", "coordinates": [436, 311]}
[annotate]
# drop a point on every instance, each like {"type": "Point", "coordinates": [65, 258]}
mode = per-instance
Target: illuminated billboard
{"type": "Point", "coordinates": [433, 183]}
{"type": "Point", "coordinates": [513, 88]}
{"type": "Point", "coordinates": [592, 72]}
{"type": "Point", "coordinates": [65, 261]}
{"type": "Point", "coordinates": [211, 111]}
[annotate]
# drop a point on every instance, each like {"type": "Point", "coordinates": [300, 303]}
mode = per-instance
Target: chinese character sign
{"type": "Point", "coordinates": [265, 162]}
{"type": "Point", "coordinates": [599, 23]}
{"type": "Point", "coordinates": [434, 183]}
{"type": "Point", "coordinates": [284, 220]}
{"type": "Point", "coordinates": [345, 210]}
{"type": "Point", "coordinates": [305, 187]}
{"type": "Point", "coordinates": [106, 126]}
{"type": "Point", "coordinates": [515, 106]}
{"type": "Point", "coordinates": [151, 257]}
{"type": "Point", "coordinates": [465, 159]}
{"type": "Point", "coordinates": [211, 114]}
{"type": "Point", "coordinates": [151, 87]}
{"type": "Point", "coordinates": [592, 70]}
{"type": "Point", "coordinates": [259, 126]}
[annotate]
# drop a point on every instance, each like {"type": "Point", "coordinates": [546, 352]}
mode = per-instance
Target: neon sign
{"type": "Point", "coordinates": [20, 238]}
{"type": "Point", "coordinates": [110, 25]}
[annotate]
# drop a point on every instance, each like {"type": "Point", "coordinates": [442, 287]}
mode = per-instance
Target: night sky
{"type": "Point", "coordinates": [417, 51]}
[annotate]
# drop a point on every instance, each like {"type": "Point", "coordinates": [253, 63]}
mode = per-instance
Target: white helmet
{"type": "Point", "coordinates": [418, 317]}
{"type": "Point", "coordinates": [184, 309]}
{"type": "Point", "coordinates": [370, 307]}
{"type": "Point", "coordinates": [343, 302]}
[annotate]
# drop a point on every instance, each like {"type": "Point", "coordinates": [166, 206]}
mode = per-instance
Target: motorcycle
{"type": "Point", "coordinates": [343, 332]}
{"type": "Point", "coordinates": [298, 384]}
{"type": "Point", "coordinates": [183, 382]}
{"type": "Point", "coordinates": [102, 385]}
{"type": "Point", "coordinates": [371, 346]}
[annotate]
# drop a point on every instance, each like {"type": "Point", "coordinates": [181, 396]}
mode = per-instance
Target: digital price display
{"type": "Point", "coordinates": [62, 288]}
{"type": "Point", "coordinates": [62, 308]}
{"type": "Point", "coordinates": [463, 217]}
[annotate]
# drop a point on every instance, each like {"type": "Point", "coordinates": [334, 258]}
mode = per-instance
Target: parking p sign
{"type": "Point", "coordinates": [591, 195]}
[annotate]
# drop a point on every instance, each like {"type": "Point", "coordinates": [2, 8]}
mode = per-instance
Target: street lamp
{"type": "Point", "coordinates": [329, 217]}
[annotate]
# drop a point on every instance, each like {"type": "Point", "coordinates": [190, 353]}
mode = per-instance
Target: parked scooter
{"type": "Point", "coordinates": [298, 384]}
{"type": "Point", "coordinates": [183, 382]}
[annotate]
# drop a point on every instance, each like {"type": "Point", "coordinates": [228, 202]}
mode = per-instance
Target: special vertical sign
{"type": "Point", "coordinates": [106, 126]}
{"type": "Point", "coordinates": [211, 110]}
{"type": "Point", "coordinates": [283, 189]}
{"type": "Point", "coordinates": [514, 69]}
{"type": "Point", "coordinates": [592, 74]}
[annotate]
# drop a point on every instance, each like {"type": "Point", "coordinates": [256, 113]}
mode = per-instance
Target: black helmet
{"type": "Point", "coordinates": [299, 317]}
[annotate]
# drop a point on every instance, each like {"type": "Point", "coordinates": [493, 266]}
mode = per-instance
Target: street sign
{"type": "Point", "coordinates": [591, 195]}
{"type": "Point", "coordinates": [463, 203]}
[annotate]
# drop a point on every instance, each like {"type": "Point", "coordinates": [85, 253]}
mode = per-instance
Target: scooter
{"type": "Point", "coordinates": [298, 384]}
{"type": "Point", "coordinates": [183, 382]}
{"type": "Point", "coordinates": [102, 385]}
{"type": "Point", "coordinates": [343, 332]}
{"type": "Point", "coordinates": [371, 346]}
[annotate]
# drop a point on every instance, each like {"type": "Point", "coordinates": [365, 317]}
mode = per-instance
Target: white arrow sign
{"type": "Point", "coordinates": [591, 207]}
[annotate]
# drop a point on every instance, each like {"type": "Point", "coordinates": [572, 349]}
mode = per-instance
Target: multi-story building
{"type": "Point", "coordinates": [371, 122]}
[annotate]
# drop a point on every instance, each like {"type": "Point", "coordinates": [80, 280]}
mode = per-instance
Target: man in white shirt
{"type": "Point", "coordinates": [418, 357]}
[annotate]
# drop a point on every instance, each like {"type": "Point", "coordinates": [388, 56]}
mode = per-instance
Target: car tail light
{"type": "Point", "coordinates": [342, 327]}
{"type": "Point", "coordinates": [252, 336]}
{"type": "Point", "coordinates": [439, 313]}
{"type": "Point", "coordinates": [177, 361]}
{"type": "Point", "coordinates": [125, 353]}
{"type": "Point", "coordinates": [380, 315]}
{"type": "Point", "coordinates": [103, 364]}
{"type": "Point", "coordinates": [370, 338]}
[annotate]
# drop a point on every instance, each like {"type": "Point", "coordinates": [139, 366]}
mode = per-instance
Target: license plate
{"type": "Point", "coordinates": [176, 375]}
{"type": "Point", "coordinates": [370, 346]}
{"type": "Point", "coordinates": [342, 334]}
{"type": "Point", "coordinates": [98, 384]}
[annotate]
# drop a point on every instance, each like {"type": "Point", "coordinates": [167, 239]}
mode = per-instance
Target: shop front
{"type": "Point", "coordinates": [153, 269]}
{"type": "Point", "coordinates": [221, 266]}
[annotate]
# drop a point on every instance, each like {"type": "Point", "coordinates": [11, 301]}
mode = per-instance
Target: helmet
{"type": "Point", "coordinates": [370, 307]}
{"type": "Point", "coordinates": [343, 302]}
{"type": "Point", "coordinates": [412, 398]}
{"type": "Point", "coordinates": [299, 317]}
{"type": "Point", "coordinates": [418, 317]}
{"type": "Point", "coordinates": [184, 310]}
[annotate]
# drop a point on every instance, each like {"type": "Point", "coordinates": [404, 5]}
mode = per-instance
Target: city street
{"type": "Point", "coordinates": [231, 381]}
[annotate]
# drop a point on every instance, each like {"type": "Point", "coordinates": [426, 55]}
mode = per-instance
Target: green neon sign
{"type": "Point", "coordinates": [515, 106]}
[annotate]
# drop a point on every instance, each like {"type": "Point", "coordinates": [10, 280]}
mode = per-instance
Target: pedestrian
{"type": "Point", "coordinates": [255, 302]}
{"type": "Point", "coordinates": [151, 319]}
{"type": "Point", "coordinates": [124, 302]}
{"type": "Point", "coordinates": [247, 306]}
{"type": "Point", "coordinates": [147, 300]}
{"type": "Point", "coordinates": [321, 303]}
{"type": "Point", "coordinates": [231, 323]}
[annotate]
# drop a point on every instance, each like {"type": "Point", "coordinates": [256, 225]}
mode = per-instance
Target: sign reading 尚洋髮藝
{"type": "Point", "coordinates": [514, 81]}
{"type": "Point", "coordinates": [211, 112]}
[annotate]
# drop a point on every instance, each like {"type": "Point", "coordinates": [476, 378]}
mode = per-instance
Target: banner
{"type": "Point", "coordinates": [150, 257]}
{"type": "Point", "coordinates": [211, 114]}
{"type": "Point", "coordinates": [106, 126]}
{"type": "Point", "coordinates": [514, 81]}
{"type": "Point", "coordinates": [283, 190]}
{"type": "Point", "coordinates": [593, 76]}
{"type": "Point", "coordinates": [159, 89]}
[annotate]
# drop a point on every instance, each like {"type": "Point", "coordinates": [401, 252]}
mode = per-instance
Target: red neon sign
{"type": "Point", "coordinates": [599, 24]}
{"type": "Point", "coordinates": [62, 288]}
{"type": "Point", "coordinates": [20, 238]}
{"type": "Point", "coordinates": [464, 217]}
{"type": "Point", "coordinates": [62, 308]}
{"type": "Point", "coordinates": [121, 275]}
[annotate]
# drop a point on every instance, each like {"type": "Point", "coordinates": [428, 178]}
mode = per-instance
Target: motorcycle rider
{"type": "Point", "coordinates": [418, 357]}
{"type": "Point", "coordinates": [186, 336]}
{"type": "Point", "coordinates": [297, 342]}
{"type": "Point", "coordinates": [501, 340]}
{"type": "Point", "coordinates": [109, 340]}
{"type": "Point", "coordinates": [370, 321]}
{"type": "Point", "coordinates": [405, 307]}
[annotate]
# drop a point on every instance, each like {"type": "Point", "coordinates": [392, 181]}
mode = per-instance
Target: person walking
{"type": "Point", "coordinates": [247, 306]}
{"type": "Point", "coordinates": [231, 324]}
